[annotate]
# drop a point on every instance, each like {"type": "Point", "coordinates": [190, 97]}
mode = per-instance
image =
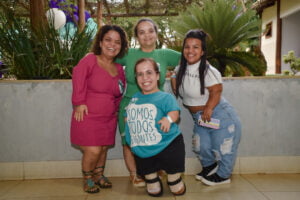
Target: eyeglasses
{"type": "Point", "coordinates": [147, 73]}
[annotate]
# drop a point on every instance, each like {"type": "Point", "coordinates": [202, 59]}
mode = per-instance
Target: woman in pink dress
{"type": "Point", "coordinates": [98, 85]}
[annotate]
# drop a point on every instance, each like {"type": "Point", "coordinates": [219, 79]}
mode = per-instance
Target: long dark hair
{"type": "Point", "coordinates": [200, 35]}
{"type": "Point", "coordinates": [96, 49]}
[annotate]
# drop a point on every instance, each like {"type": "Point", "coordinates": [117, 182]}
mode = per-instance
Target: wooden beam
{"type": "Point", "coordinates": [81, 15]}
{"type": "Point", "coordinates": [278, 40]}
{"type": "Point", "coordinates": [126, 6]}
{"type": "Point", "coordinates": [106, 6]}
{"type": "Point", "coordinates": [138, 15]}
{"type": "Point", "coordinates": [124, 15]}
{"type": "Point", "coordinates": [147, 6]}
{"type": "Point", "coordinates": [99, 13]}
{"type": "Point", "coordinates": [37, 15]}
{"type": "Point", "coordinates": [108, 11]}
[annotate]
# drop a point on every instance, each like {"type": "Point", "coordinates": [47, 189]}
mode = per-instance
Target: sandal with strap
{"type": "Point", "coordinates": [181, 191]}
{"type": "Point", "coordinates": [89, 185]}
{"type": "Point", "coordinates": [101, 180]}
{"type": "Point", "coordinates": [157, 179]}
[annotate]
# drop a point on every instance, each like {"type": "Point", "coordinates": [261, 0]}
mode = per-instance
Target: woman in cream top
{"type": "Point", "coordinates": [217, 128]}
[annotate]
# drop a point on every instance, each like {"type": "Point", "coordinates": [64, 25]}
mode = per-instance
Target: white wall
{"type": "Point", "coordinates": [290, 37]}
{"type": "Point", "coordinates": [268, 45]}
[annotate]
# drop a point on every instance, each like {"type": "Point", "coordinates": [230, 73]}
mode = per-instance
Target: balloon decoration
{"type": "Point", "coordinates": [70, 26]}
{"type": "Point", "coordinates": [56, 17]}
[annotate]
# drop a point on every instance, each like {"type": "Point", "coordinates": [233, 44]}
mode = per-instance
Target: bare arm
{"type": "Point", "coordinates": [215, 93]}
{"type": "Point", "coordinates": [173, 84]}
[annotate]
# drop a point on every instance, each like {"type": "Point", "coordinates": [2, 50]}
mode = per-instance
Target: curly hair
{"type": "Point", "coordinates": [96, 49]}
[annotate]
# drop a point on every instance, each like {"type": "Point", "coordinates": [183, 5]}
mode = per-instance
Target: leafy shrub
{"type": "Point", "coordinates": [42, 54]}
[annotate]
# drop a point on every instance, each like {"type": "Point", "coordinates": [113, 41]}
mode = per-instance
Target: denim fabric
{"type": "Point", "coordinates": [221, 144]}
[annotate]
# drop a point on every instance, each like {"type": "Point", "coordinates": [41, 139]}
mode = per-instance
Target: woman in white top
{"type": "Point", "coordinates": [217, 128]}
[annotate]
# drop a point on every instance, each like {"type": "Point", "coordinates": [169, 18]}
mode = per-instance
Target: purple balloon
{"type": "Point", "coordinates": [54, 3]}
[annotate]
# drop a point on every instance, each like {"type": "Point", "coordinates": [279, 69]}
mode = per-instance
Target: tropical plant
{"type": "Point", "coordinates": [42, 54]}
{"type": "Point", "coordinates": [227, 26]}
{"type": "Point", "coordinates": [293, 61]}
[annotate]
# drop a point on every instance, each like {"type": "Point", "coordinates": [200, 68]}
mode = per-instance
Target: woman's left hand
{"type": "Point", "coordinates": [206, 115]}
{"type": "Point", "coordinates": [164, 124]}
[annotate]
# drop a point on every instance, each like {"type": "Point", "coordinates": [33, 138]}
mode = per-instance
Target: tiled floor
{"type": "Point", "coordinates": [243, 187]}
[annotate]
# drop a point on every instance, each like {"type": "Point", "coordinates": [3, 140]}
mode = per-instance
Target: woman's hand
{"type": "Point", "coordinates": [207, 113]}
{"type": "Point", "coordinates": [79, 112]}
{"type": "Point", "coordinates": [164, 124]}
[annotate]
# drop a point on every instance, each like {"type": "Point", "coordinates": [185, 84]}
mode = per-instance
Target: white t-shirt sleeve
{"type": "Point", "coordinates": [212, 77]}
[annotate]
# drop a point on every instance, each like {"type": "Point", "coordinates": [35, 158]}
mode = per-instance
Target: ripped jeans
{"type": "Point", "coordinates": [218, 145]}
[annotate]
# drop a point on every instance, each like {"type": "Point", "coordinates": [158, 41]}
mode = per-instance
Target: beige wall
{"type": "Point", "coordinates": [268, 45]}
{"type": "Point", "coordinates": [288, 7]}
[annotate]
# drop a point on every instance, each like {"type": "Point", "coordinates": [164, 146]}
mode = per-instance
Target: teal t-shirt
{"type": "Point", "coordinates": [142, 132]}
{"type": "Point", "coordinates": [164, 57]}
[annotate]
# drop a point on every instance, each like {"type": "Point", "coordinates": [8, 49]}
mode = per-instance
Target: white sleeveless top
{"type": "Point", "coordinates": [190, 87]}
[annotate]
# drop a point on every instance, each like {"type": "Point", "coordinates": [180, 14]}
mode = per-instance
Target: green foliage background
{"type": "Point", "coordinates": [229, 28]}
{"type": "Point", "coordinates": [42, 54]}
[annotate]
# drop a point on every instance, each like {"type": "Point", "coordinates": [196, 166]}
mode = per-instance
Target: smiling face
{"type": "Point", "coordinates": [111, 44]}
{"type": "Point", "coordinates": [192, 50]}
{"type": "Point", "coordinates": [147, 78]}
{"type": "Point", "coordinates": [146, 35]}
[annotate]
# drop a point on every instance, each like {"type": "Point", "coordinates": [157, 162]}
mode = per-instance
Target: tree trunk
{"type": "Point", "coordinates": [81, 9]}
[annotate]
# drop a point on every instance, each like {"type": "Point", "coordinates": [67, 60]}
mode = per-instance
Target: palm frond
{"type": "Point", "coordinates": [227, 26]}
{"type": "Point", "coordinates": [243, 59]}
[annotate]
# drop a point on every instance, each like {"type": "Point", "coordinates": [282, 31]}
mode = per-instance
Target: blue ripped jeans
{"type": "Point", "coordinates": [218, 145]}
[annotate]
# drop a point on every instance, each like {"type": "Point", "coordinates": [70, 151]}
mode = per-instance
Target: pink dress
{"type": "Point", "coordinates": [102, 93]}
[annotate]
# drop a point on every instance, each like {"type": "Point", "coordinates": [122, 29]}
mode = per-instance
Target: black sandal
{"type": "Point", "coordinates": [157, 179]}
{"type": "Point", "coordinates": [89, 185]}
{"type": "Point", "coordinates": [181, 191]}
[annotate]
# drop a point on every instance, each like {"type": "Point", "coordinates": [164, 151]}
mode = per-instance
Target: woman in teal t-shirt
{"type": "Point", "coordinates": [146, 33]}
{"type": "Point", "coordinates": [154, 138]}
